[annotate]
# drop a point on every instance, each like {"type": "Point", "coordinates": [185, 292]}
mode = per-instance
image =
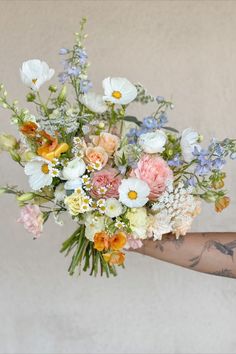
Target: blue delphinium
{"type": "Point", "coordinates": [85, 86]}
{"type": "Point", "coordinates": [176, 161]}
{"type": "Point", "coordinates": [203, 162]}
{"type": "Point", "coordinates": [82, 55]}
{"type": "Point", "coordinates": [161, 120]}
{"type": "Point", "coordinates": [149, 123]}
{"type": "Point", "coordinates": [63, 51]}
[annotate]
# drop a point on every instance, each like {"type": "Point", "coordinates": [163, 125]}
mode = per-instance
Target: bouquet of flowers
{"type": "Point", "coordinates": [119, 186]}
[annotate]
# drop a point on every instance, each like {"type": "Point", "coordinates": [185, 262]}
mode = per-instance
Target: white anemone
{"type": "Point", "coordinates": [118, 90]}
{"type": "Point", "coordinates": [34, 73]}
{"type": "Point", "coordinates": [40, 172]}
{"type": "Point", "coordinates": [93, 102]}
{"type": "Point", "coordinates": [133, 192]}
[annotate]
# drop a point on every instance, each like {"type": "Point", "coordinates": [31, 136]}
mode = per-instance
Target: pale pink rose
{"type": "Point", "coordinates": [107, 178]}
{"type": "Point", "coordinates": [155, 171]}
{"type": "Point", "coordinates": [133, 243]}
{"type": "Point", "coordinates": [96, 155]}
{"type": "Point", "coordinates": [108, 141]}
{"type": "Point", "coordinates": [32, 219]}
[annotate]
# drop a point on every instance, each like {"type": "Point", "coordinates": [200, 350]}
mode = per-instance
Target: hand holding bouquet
{"type": "Point", "coordinates": [119, 186]}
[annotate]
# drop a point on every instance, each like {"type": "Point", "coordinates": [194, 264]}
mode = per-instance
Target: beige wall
{"type": "Point", "coordinates": [184, 50]}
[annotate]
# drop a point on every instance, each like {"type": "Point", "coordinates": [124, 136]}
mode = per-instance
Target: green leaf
{"type": "Point", "coordinates": [133, 119]}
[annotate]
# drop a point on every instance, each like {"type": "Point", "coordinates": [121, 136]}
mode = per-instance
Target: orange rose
{"type": "Point", "coordinates": [114, 258]}
{"type": "Point", "coordinates": [118, 241]}
{"type": "Point", "coordinates": [96, 155]}
{"type": "Point", "coordinates": [101, 241]}
{"type": "Point", "coordinates": [221, 203]}
{"type": "Point", "coordinates": [108, 141]}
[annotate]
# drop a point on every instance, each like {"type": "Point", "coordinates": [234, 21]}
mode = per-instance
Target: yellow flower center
{"type": "Point", "coordinates": [132, 195]}
{"type": "Point", "coordinates": [34, 81]}
{"type": "Point", "coordinates": [117, 94]}
{"type": "Point", "coordinates": [45, 168]}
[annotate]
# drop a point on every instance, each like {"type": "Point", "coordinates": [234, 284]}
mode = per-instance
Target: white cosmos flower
{"type": "Point", "coordinates": [40, 172]}
{"type": "Point", "coordinates": [118, 90]}
{"type": "Point", "coordinates": [93, 102]}
{"type": "Point", "coordinates": [133, 192]}
{"type": "Point", "coordinates": [74, 169]}
{"type": "Point", "coordinates": [189, 140]}
{"type": "Point", "coordinates": [34, 73]}
{"type": "Point", "coordinates": [113, 207]}
{"type": "Point", "coordinates": [153, 142]}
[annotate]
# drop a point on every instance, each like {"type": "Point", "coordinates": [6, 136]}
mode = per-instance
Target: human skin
{"type": "Point", "coordinates": [211, 253]}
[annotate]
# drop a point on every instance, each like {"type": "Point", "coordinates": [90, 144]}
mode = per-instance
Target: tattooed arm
{"type": "Point", "coordinates": [211, 253]}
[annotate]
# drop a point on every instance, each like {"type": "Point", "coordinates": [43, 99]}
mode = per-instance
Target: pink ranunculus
{"type": "Point", "coordinates": [155, 171]}
{"type": "Point", "coordinates": [133, 243]}
{"type": "Point", "coordinates": [32, 219]}
{"type": "Point", "coordinates": [108, 178]}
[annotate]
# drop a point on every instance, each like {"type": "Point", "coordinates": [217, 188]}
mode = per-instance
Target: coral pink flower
{"type": "Point", "coordinates": [32, 219]}
{"type": "Point", "coordinates": [155, 171]}
{"type": "Point", "coordinates": [105, 184]}
{"type": "Point", "coordinates": [109, 142]}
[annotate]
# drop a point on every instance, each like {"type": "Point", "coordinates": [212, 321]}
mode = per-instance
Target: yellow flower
{"type": "Point", "coordinates": [221, 203]}
{"type": "Point", "coordinates": [118, 241]}
{"type": "Point", "coordinates": [101, 241]}
{"type": "Point", "coordinates": [77, 203]}
{"type": "Point", "coordinates": [114, 258]}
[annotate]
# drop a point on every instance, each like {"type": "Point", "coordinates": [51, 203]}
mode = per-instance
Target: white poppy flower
{"type": "Point", "coordinates": [34, 73]}
{"type": "Point", "coordinates": [113, 207]}
{"type": "Point", "coordinates": [40, 172]}
{"type": "Point", "coordinates": [133, 192]}
{"type": "Point", "coordinates": [153, 142]}
{"type": "Point", "coordinates": [189, 140]}
{"type": "Point", "coordinates": [93, 102]}
{"type": "Point", "coordinates": [118, 90]}
{"type": "Point", "coordinates": [74, 169]}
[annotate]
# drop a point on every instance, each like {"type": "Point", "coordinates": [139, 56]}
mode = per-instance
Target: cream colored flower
{"type": "Point", "coordinates": [78, 203]}
{"type": "Point", "coordinates": [93, 102]}
{"type": "Point", "coordinates": [133, 192]}
{"type": "Point", "coordinates": [189, 140]}
{"type": "Point", "coordinates": [113, 208]}
{"type": "Point", "coordinates": [118, 90]}
{"type": "Point", "coordinates": [138, 222]}
{"type": "Point", "coordinates": [93, 224]}
{"type": "Point", "coordinates": [34, 73]}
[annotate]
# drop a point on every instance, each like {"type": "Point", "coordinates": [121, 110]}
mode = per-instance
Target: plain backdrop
{"type": "Point", "coordinates": [185, 51]}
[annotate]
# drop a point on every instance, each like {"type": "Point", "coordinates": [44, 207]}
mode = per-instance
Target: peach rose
{"type": "Point", "coordinates": [96, 155]}
{"type": "Point", "coordinates": [108, 141]}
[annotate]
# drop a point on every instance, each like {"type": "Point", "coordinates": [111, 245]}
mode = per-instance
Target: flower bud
{"type": "Point", "coordinates": [30, 97]}
{"type": "Point", "coordinates": [28, 155]}
{"type": "Point", "coordinates": [14, 155]}
{"type": "Point", "coordinates": [210, 196]}
{"type": "Point", "coordinates": [62, 95]}
{"type": "Point", "coordinates": [52, 88]}
{"type": "Point", "coordinates": [7, 142]}
{"type": "Point", "coordinates": [101, 125]}
{"type": "Point", "coordinates": [221, 203]}
{"type": "Point", "coordinates": [3, 190]}
{"type": "Point", "coordinates": [25, 197]}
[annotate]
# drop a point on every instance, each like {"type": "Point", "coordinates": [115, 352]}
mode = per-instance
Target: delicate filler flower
{"type": "Point", "coordinates": [93, 102]}
{"type": "Point", "coordinates": [34, 73]}
{"type": "Point", "coordinates": [119, 90]}
{"type": "Point", "coordinates": [113, 208]}
{"type": "Point", "coordinates": [40, 172]}
{"type": "Point", "coordinates": [32, 218]}
{"type": "Point", "coordinates": [189, 140]}
{"type": "Point", "coordinates": [108, 178]}
{"type": "Point", "coordinates": [153, 142]}
{"type": "Point", "coordinates": [74, 169]}
{"type": "Point", "coordinates": [133, 192]}
{"type": "Point", "coordinates": [155, 172]}
{"type": "Point", "coordinates": [109, 142]}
